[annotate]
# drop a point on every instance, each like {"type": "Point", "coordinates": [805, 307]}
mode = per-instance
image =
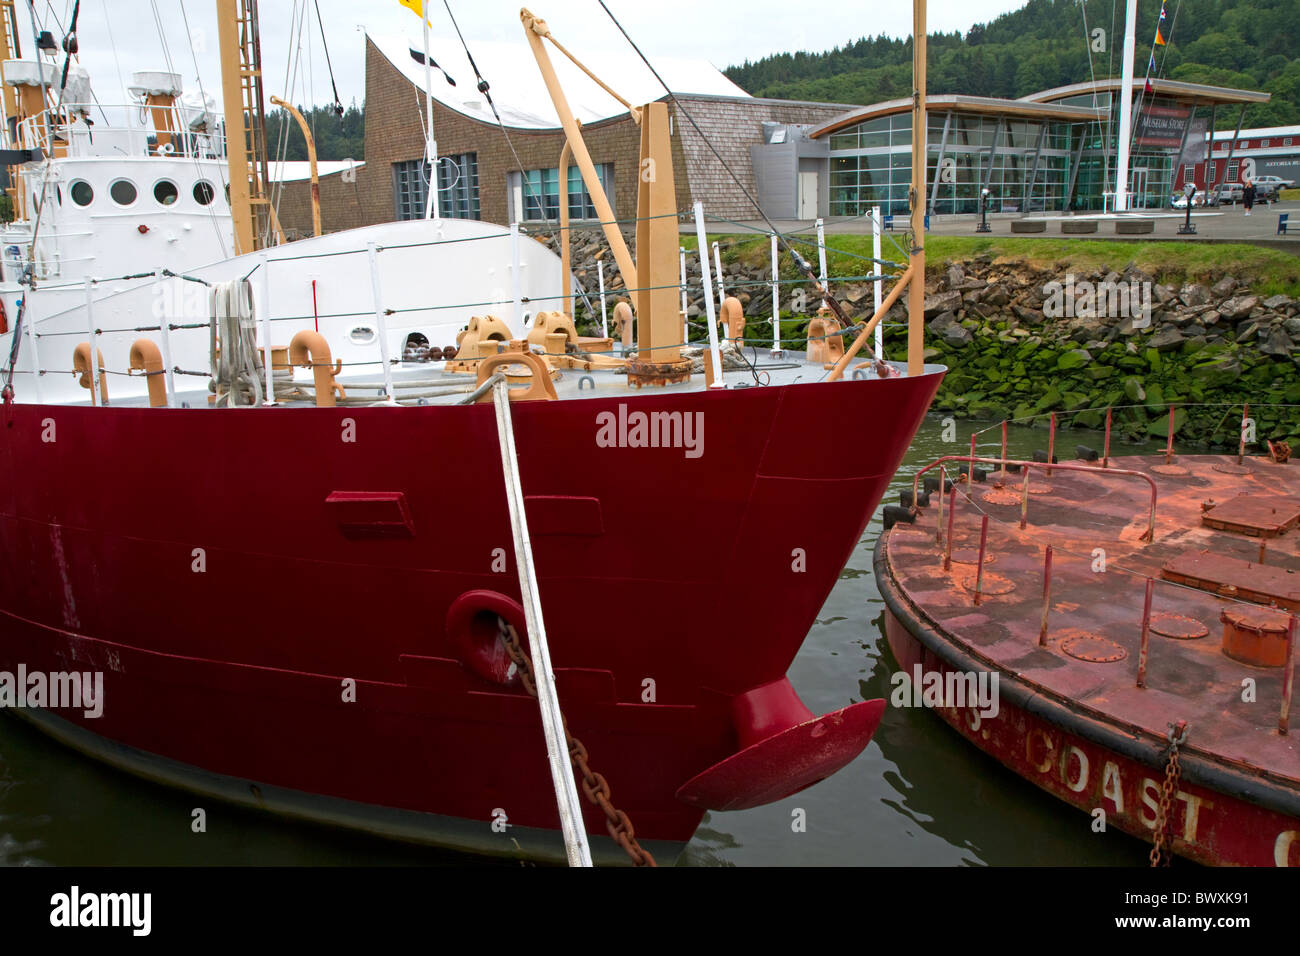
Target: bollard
{"type": "Point", "coordinates": [1146, 635]}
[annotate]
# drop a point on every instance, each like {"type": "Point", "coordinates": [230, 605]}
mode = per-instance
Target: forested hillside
{"type": "Point", "coordinates": [337, 137]}
{"type": "Point", "coordinates": [1249, 44]}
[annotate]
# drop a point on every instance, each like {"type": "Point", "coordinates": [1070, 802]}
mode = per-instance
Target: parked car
{"type": "Point", "coordinates": [1179, 200]}
{"type": "Point", "coordinates": [1277, 182]}
{"type": "Point", "coordinates": [1266, 192]}
{"type": "Point", "coordinates": [1225, 194]}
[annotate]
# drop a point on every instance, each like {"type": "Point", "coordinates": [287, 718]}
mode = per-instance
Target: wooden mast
{"type": "Point", "coordinates": [916, 291]}
{"type": "Point", "coordinates": [241, 94]}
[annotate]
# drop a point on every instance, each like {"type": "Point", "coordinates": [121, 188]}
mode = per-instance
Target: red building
{"type": "Point", "coordinates": [1248, 154]}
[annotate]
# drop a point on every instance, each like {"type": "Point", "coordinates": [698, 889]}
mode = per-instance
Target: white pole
{"type": "Point", "coordinates": [686, 325]}
{"type": "Point", "coordinates": [557, 753]}
{"type": "Point", "coordinates": [431, 210]}
{"type": "Point", "coordinates": [821, 250]}
{"type": "Point", "coordinates": [604, 315]}
{"type": "Point", "coordinates": [1125, 108]}
{"type": "Point", "coordinates": [269, 398]}
{"type": "Point", "coordinates": [36, 356]}
{"type": "Point", "coordinates": [712, 322]}
{"type": "Point", "coordinates": [717, 261]}
{"type": "Point", "coordinates": [515, 280]}
{"type": "Point", "coordinates": [165, 334]}
{"type": "Point", "coordinates": [879, 283]}
{"type": "Point", "coordinates": [776, 299]}
{"type": "Point", "coordinates": [381, 325]}
{"type": "Point", "coordinates": [94, 352]}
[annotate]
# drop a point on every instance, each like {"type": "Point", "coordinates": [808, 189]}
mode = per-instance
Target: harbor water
{"type": "Point", "coordinates": [918, 796]}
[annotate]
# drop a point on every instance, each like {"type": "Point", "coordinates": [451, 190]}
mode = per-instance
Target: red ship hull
{"type": "Point", "coordinates": [275, 608]}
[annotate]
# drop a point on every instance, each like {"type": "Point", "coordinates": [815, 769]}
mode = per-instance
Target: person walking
{"type": "Point", "coordinates": [1248, 196]}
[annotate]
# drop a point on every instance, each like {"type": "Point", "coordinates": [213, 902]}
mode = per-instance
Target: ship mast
{"type": "Point", "coordinates": [916, 291]}
{"type": "Point", "coordinates": [241, 94]}
{"type": "Point", "coordinates": [1125, 108]}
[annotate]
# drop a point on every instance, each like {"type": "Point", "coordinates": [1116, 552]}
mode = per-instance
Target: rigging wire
{"type": "Point", "coordinates": [338, 103]}
{"type": "Point", "coordinates": [803, 265]}
{"type": "Point", "coordinates": [221, 167]}
{"type": "Point", "coordinates": [484, 88]}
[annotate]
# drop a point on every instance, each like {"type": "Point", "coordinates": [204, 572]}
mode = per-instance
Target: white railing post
{"type": "Point", "coordinates": [686, 325]}
{"type": "Point", "coordinates": [516, 281]}
{"type": "Point", "coordinates": [703, 244]}
{"type": "Point", "coordinates": [604, 315]}
{"type": "Point", "coordinates": [557, 751]}
{"type": "Point", "coordinates": [776, 299]}
{"type": "Point", "coordinates": [878, 285]}
{"type": "Point", "coordinates": [164, 320]}
{"type": "Point", "coordinates": [381, 324]}
{"type": "Point", "coordinates": [94, 350]}
{"type": "Point", "coordinates": [821, 255]}
{"type": "Point", "coordinates": [30, 332]}
{"type": "Point", "coordinates": [269, 398]}
{"type": "Point", "coordinates": [717, 261]}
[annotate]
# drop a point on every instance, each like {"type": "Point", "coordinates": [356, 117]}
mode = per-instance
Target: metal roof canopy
{"type": "Point", "coordinates": [967, 104]}
{"type": "Point", "coordinates": [1203, 94]}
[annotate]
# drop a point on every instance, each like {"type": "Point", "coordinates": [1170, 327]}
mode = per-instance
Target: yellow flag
{"type": "Point", "coordinates": [1160, 40]}
{"type": "Point", "coordinates": [415, 6]}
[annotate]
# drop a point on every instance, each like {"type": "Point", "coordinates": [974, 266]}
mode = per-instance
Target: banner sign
{"type": "Point", "coordinates": [1162, 126]}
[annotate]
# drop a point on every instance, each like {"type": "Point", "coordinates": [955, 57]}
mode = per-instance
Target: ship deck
{"type": "Point", "coordinates": [1095, 522]}
{"type": "Point", "coordinates": [430, 383]}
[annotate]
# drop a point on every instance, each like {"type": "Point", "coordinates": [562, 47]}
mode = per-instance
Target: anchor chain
{"type": "Point", "coordinates": [1163, 841]}
{"type": "Point", "coordinates": [594, 784]}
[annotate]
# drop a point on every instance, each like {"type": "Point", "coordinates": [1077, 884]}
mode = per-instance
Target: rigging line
{"type": "Point", "coordinates": [194, 157]}
{"type": "Point", "coordinates": [338, 103]}
{"type": "Point", "coordinates": [525, 184]}
{"type": "Point", "coordinates": [799, 260]}
{"type": "Point", "coordinates": [29, 272]}
{"type": "Point", "coordinates": [286, 121]}
{"type": "Point", "coordinates": [1091, 73]}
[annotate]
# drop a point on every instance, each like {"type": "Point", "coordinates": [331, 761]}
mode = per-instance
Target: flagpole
{"type": "Point", "coordinates": [431, 210]}
{"type": "Point", "coordinates": [1125, 108]}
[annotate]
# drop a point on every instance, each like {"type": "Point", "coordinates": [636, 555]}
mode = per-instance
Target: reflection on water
{"type": "Point", "coordinates": [919, 794]}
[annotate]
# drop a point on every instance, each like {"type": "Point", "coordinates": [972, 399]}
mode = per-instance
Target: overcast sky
{"type": "Point", "coordinates": [722, 31]}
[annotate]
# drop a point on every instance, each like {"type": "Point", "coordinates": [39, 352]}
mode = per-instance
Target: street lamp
{"type": "Point", "coordinates": [984, 209]}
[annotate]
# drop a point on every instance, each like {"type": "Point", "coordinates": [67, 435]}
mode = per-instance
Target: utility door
{"type": "Point", "coordinates": [808, 195]}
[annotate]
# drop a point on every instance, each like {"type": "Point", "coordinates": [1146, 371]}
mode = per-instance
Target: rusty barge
{"type": "Point", "coordinates": [1140, 616]}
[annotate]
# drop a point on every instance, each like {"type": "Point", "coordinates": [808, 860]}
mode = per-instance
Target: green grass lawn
{"type": "Point", "coordinates": [1266, 271]}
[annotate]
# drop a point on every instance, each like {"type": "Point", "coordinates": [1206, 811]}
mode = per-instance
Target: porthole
{"type": "Point", "coordinates": [362, 335]}
{"type": "Point", "coordinates": [165, 192]}
{"type": "Point", "coordinates": [82, 193]}
{"type": "Point", "coordinates": [123, 192]}
{"type": "Point", "coordinates": [204, 193]}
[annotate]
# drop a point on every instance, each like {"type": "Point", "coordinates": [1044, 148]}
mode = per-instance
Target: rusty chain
{"type": "Point", "coordinates": [594, 784]}
{"type": "Point", "coordinates": [1163, 841]}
